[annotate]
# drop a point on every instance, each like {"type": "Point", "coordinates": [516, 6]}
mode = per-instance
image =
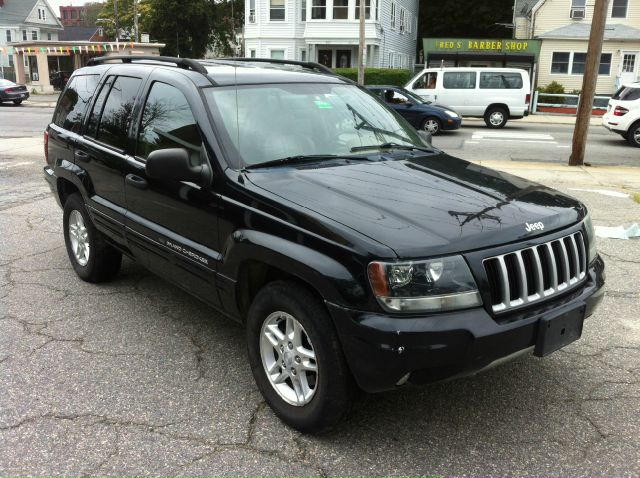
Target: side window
{"type": "Point", "coordinates": [167, 122]}
{"type": "Point", "coordinates": [74, 101]}
{"type": "Point", "coordinates": [94, 118]}
{"type": "Point", "coordinates": [116, 114]}
{"type": "Point", "coordinates": [427, 81]}
{"type": "Point", "coordinates": [460, 80]}
{"type": "Point", "coordinates": [501, 81]}
{"type": "Point", "coordinates": [395, 98]}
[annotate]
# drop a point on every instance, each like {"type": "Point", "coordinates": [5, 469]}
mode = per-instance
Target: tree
{"type": "Point", "coordinates": [93, 10]}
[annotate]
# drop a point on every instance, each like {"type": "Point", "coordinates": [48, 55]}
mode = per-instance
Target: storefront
{"type": "Point", "coordinates": [482, 52]}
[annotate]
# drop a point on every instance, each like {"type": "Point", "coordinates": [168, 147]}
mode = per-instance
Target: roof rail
{"type": "Point", "coordinates": [184, 63]}
{"type": "Point", "coordinates": [304, 64]}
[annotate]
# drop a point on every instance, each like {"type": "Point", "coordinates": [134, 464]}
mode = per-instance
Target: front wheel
{"type": "Point", "coordinates": [633, 135]}
{"type": "Point", "coordinates": [91, 257]}
{"type": "Point", "coordinates": [296, 358]}
{"type": "Point", "coordinates": [496, 117]}
{"type": "Point", "coordinates": [431, 125]}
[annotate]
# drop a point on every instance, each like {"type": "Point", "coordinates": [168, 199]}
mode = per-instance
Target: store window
{"type": "Point", "coordinates": [319, 9]}
{"type": "Point", "coordinates": [340, 9]}
{"type": "Point", "coordinates": [367, 9]}
{"type": "Point", "coordinates": [619, 8]}
{"type": "Point", "coordinates": [276, 10]}
{"type": "Point", "coordinates": [459, 80]}
{"type": "Point", "coordinates": [560, 62]}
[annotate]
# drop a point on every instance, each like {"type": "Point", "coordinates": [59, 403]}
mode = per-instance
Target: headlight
{"type": "Point", "coordinates": [453, 114]}
{"type": "Point", "coordinates": [433, 285]}
{"type": "Point", "coordinates": [592, 251]}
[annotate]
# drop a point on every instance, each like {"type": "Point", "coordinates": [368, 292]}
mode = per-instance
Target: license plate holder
{"type": "Point", "coordinates": [559, 330]}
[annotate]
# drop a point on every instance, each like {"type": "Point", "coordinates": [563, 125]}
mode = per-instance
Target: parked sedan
{"type": "Point", "coordinates": [9, 91]}
{"type": "Point", "coordinates": [415, 110]}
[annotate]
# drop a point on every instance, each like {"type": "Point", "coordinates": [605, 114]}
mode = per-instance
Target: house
{"type": "Point", "coordinates": [73, 15]}
{"type": "Point", "coordinates": [25, 20]}
{"type": "Point", "coordinates": [327, 31]}
{"type": "Point", "coordinates": [563, 26]}
{"type": "Point", "coordinates": [81, 33]}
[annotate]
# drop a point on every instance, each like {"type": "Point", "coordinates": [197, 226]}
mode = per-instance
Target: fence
{"type": "Point", "coordinates": [565, 103]}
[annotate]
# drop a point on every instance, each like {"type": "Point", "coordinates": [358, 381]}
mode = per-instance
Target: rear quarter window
{"type": "Point", "coordinates": [500, 81]}
{"type": "Point", "coordinates": [627, 93]}
{"type": "Point", "coordinates": [73, 102]}
{"type": "Point", "coordinates": [462, 80]}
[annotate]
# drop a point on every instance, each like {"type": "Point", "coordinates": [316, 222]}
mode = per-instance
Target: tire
{"type": "Point", "coordinates": [17, 102]}
{"type": "Point", "coordinates": [625, 135]}
{"type": "Point", "coordinates": [496, 117]}
{"type": "Point", "coordinates": [97, 261]}
{"type": "Point", "coordinates": [330, 390]}
{"type": "Point", "coordinates": [431, 125]}
{"type": "Point", "coordinates": [633, 135]}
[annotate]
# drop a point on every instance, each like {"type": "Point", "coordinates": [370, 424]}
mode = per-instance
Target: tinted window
{"type": "Point", "coordinates": [501, 81]}
{"type": "Point", "coordinates": [74, 101]}
{"type": "Point", "coordinates": [560, 62]}
{"type": "Point", "coordinates": [395, 98]}
{"type": "Point", "coordinates": [117, 112]}
{"type": "Point", "coordinates": [167, 122]}
{"type": "Point", "coordinates": [627, 93]}
{"type": "Point", "coordinates": [460, 80]}
{"type": "Point", "coordinates": [94, 119]}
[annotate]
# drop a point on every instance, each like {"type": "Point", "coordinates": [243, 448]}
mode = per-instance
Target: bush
{"type": "Point", "coordinates": [378, 76]}
{"type": "Point", "coordinates": [553, 88]}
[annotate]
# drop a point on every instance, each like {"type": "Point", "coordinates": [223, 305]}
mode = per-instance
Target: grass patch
{"type": "Point", "coordinates": [636, 197]}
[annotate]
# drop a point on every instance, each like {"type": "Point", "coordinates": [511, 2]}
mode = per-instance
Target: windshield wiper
{"type": "Point", "coordinates": [300, 159]}
{"type": "Point", "coordinates": [391, 146]}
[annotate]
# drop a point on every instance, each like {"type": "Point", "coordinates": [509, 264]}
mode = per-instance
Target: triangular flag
{"type": "Point", "coordinates": [42, 49]}
{"type": "Point", "coordinates": [10, 50]}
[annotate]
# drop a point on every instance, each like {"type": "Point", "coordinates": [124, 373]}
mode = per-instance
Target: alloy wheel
{"type": "Point", "coordinates": [288, 358]}
{"type": "Point", "coordinates": [496, 118]}
{"type": "Point", "coordinates": [431, 126]}
{"type": "Point", "coordinates": [79, 237]}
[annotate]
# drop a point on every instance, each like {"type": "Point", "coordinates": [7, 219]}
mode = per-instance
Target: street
{"type": "Point", "coordinates": [135, 377]}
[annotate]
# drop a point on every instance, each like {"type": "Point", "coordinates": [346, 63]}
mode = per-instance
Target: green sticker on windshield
{"type": "Point", "coordinates": [323, 105]}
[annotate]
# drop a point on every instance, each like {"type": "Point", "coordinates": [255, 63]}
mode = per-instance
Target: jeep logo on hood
{"type": "Point", "coordinates": [533, 227]}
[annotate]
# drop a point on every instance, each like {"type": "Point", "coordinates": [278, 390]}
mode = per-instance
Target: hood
{"type": "Point", "coordinates": [424, 206]}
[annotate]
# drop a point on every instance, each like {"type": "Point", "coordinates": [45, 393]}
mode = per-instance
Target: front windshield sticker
{"type": "Point", "coordinates": [323, 105]}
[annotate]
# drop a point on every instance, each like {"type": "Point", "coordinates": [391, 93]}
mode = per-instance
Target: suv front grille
{"type": "Point", "coordinates": [536, 273]}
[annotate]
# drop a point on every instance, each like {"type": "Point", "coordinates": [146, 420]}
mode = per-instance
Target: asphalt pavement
{"type": "Point", "coordinates": [135, 377]}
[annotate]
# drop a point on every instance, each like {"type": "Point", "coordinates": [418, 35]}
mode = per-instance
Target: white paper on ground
{"type": "Point", "coordinates": [618, 232]}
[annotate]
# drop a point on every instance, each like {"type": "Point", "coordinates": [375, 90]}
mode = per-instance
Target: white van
{"type": "Point", "coordinates": [495, 94]}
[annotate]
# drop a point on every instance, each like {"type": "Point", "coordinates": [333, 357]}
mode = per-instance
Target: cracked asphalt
{"type": "Point", "coordinates": [135, 377]}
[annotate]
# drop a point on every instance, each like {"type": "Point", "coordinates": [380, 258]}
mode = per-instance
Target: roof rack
{"type": "Point", "coordinates": [184, 63]}
{"type": "Point", "coordinates": [304, 64]}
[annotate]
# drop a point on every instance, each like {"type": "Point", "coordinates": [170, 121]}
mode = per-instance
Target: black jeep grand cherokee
{"type": "Point", "coordinates": [293, 201]}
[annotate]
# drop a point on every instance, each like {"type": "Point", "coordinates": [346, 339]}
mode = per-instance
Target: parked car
{"type": "Point", "coordinates": [623, 113]}
{"type": "Point", "coordinates": [420, 113]}
{"type": "Point", "coordinates": [495, 94]}
{"type": "Point", "coordinates": [10, 91]}
{"type": "Point", "coordinates": [288, 198]}
{"type": "Point", "coordinates": [59, 79]}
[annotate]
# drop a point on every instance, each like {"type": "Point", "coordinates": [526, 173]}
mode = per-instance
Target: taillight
{"type": "Point", "coordinates": [620, 111]}
{"type": "Point", "coordinates": [46, 146]}
{"type": "Point", "coordinates": [9, 90]}
{"type": "Point", "coordinates": [527, 99]}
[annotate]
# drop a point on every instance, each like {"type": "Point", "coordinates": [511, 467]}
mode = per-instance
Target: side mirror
{"type": "Point", "coordinates": [173, 164]}
{"type": "Point", "coordinates": [426, 137]}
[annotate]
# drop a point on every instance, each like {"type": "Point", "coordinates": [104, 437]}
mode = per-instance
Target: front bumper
{"type": "Point", "coordinates": [381, 350]}
{"type": "Point", "coordinates": [449, 123]}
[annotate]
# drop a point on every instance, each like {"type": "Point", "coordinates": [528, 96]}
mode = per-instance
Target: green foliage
{"type": "Point", "coordinates": [93, 10]}
{"type": "Point", "coordinates": [553, 88]}
{"type": "Point", "coordinates": [377, 76]}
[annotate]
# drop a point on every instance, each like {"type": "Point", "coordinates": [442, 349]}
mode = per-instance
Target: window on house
{"type": "Point", "coordinates": [605, 64]}
{"type": "Point", "coordinates": [8, 36]}
{"type": "Point", "coordinates": [252, 53]}
{"type": "Point", "coordinates": [64, 15]}
{"type": "Point", "coordinates": [560, 62]}
{"type": "Point", "coordinates": [276, 10]}
{"type": "Point", "coordinates": [579, 63]}
{"type": "Point", "coordinates": [303, 55]}
{"type": "Point", "coordinates": [393, 15]}
{"type": "Point", "coordinates": [277, 54]}
{"type": "Point", "coordinates": [303, 11]}
{"type": "Point", "coordinates": [24, 35]}
{"type": "Point", "coordinates": [319, 9]}
{"type": "Point", "coordinates": [74, 14]}
{"type": "Point", "coordinates": [340, 9]}
{"type": "Point", "coordinates": [252, 11]}
{"type": "Point", "coordinates": [39, 14]}
{"type": "Point", "coordinates": [49, 37]}
{"type": "Point", "coordinates": [402, 25]}
{"type": "Point", "coordinates": [10, 61]}
{"type": "Point", "coordinates": [619, 9]}
{"type": "Point", "coordinates": [578, 9]}
{"type": "Point", "coordinates": [367, 9]}
{"type": "Point", "coordinates": [34, 35]}
{"type": "Point", "coordinates": [390, 60]}
{"type": "Point", "coordinates": [44, 14]}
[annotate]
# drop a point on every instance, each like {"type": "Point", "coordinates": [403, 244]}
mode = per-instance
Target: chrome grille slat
{"type": "Point", "coordinates": [561, 262]}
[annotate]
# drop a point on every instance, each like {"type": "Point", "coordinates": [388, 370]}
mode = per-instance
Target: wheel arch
{"type": "Point", "coordinates": [498, 105]}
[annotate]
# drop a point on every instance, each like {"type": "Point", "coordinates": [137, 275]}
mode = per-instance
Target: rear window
{"type": "Point", "coordinates": [462, 80]}
{"type": "Point", "coordinates": [74, 101]}
{"type": "Point", "coordinates": [627, 93]}
{"type": "Point", "coordinates": [500, 81]}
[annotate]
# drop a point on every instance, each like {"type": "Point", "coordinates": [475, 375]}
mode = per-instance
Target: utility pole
{"type": "Point", "coordinates": [361, 48]}
{"type": "Point", "coordinates": [583, 118]}
{"type": "Point", "coordinates": [135, 21]}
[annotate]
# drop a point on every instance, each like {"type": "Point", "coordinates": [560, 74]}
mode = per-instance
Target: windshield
{"type": "Point", "coordinates": [263, 123]}
{"type": "Point", "coordinates": [413, 96]}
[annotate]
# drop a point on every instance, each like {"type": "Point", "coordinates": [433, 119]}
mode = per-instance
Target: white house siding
{"type": "Point", "coordinates": [294, 35]}
{"type": "Point", "coordinates": [606, 83]}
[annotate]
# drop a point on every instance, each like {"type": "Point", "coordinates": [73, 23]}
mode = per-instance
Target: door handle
{"type": "Point", "coordinates": [82, 156]}
{"type": "Point", "coordinates": [136, 181]}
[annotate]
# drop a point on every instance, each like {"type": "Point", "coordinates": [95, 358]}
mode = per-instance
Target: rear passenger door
{"type": "Point", "coordinates": [171, 225]}
{"type": "Point", "coordinates": [459, 92]}
{"type": "Point", "coordinates": [105, 146]}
